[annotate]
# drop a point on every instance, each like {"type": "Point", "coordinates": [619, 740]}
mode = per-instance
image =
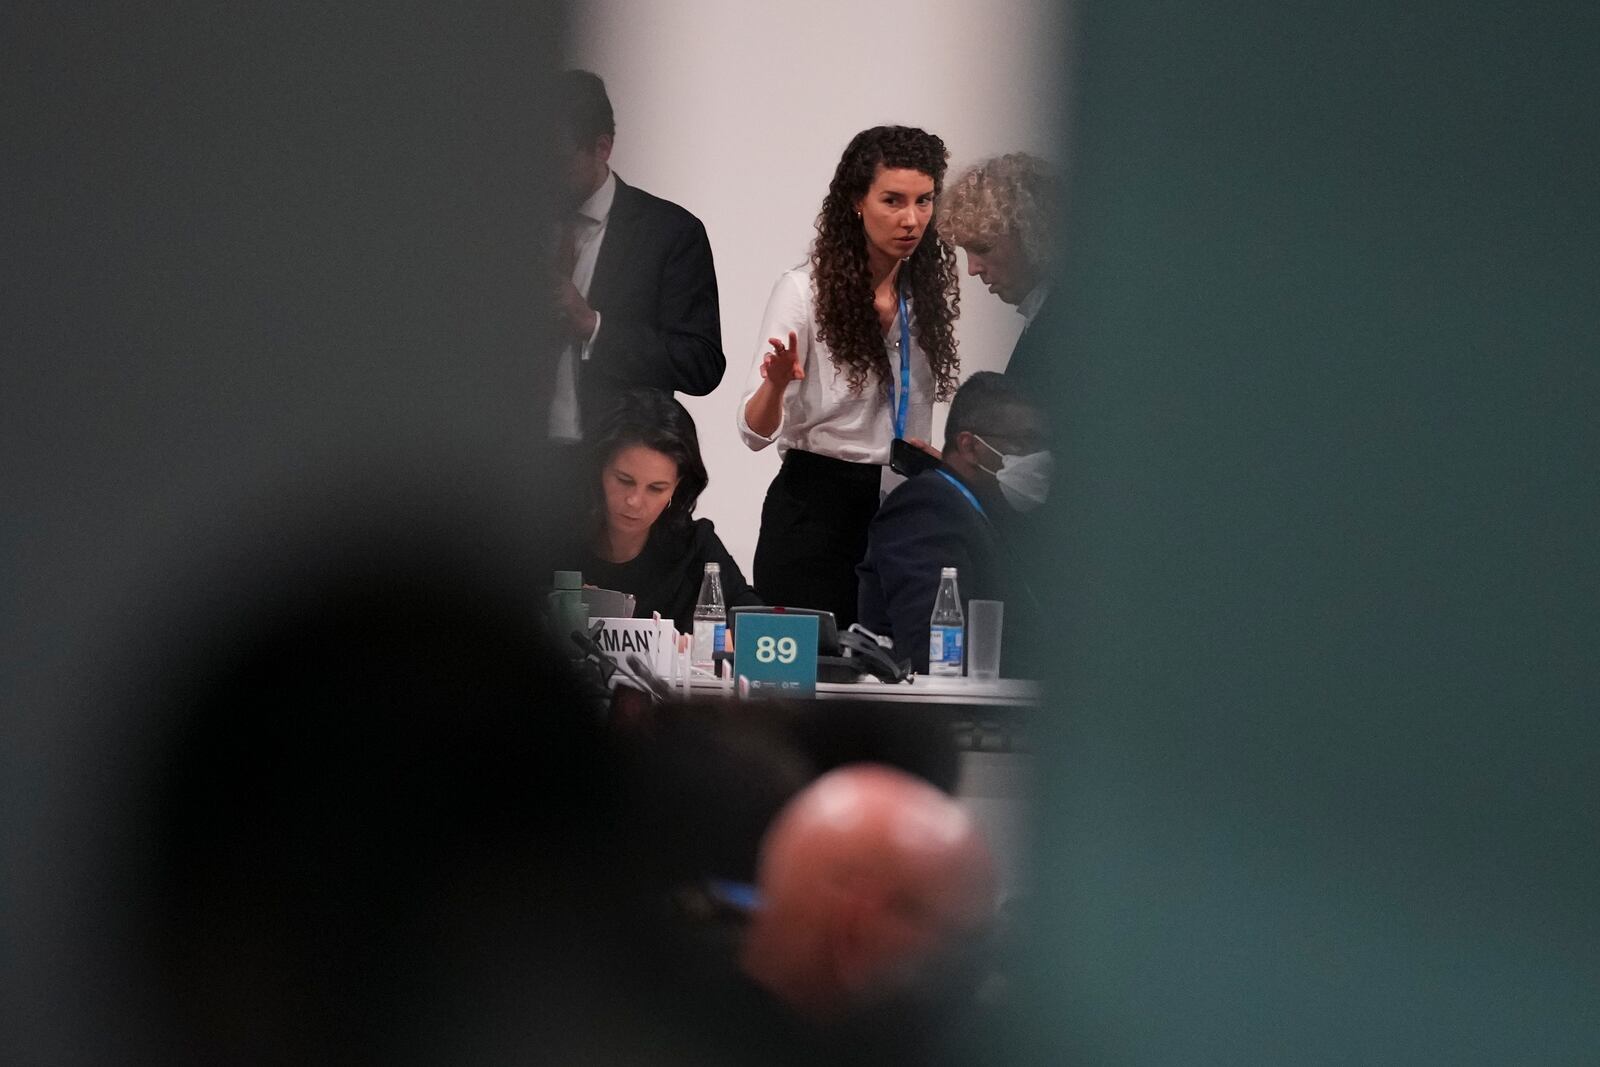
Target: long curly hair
{"type": "Point", "coordinates": [846, 320]}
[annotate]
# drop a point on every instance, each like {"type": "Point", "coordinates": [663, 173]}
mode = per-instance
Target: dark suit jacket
{"type": "Point", "coordinates": [656, 291]}
{"type": "Point", "coordinates": [1037, 364]}
{"type": "Point", "coordinates": [924, 525]}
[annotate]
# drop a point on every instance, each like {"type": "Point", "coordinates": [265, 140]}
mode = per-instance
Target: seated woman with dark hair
{"type": "Point", "coordinates": [642, 537]}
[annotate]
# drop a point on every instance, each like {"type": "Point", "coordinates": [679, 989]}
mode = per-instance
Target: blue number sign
{"type": "Point", "coordinates": [778, 653]}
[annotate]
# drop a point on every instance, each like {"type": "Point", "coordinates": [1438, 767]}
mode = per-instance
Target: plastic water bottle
{"type": "Point", "coordinates": [567, 612]}
{"type": "Point", "coordinates": [710, 619]}
{"type": "Point", "coordinates": [945, 628]}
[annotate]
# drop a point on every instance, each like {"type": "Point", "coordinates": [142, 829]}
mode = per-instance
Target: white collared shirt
{"type": "Point", "coordinates": [820, 414]}
{"type": "Point", "coordinates": [1029, 308]}
{"type": "Point", "coordinates": [589, 229]}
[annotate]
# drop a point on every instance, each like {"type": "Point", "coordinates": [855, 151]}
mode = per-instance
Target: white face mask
{"type": "Point", "coordinates": [1024, 480]}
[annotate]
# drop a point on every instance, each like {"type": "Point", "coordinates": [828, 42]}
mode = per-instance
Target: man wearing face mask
{"type": "Point", "coordinates": [960, 514]}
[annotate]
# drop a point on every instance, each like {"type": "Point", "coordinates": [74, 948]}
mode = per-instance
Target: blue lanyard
{"type": "Point", "coordinates": [741, 895]}
{"type": "Point", "coordinates": [905, 363]}
{"type": "Point", "coordinates": [964, 491]}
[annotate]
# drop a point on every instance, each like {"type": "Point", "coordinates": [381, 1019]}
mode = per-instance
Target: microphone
{"type": "Point", "coordinates": [593, 653]}
{"type": "Point", "coordinates": [656, 685]}
{"type": "Point", "coordinates": [649, 681]}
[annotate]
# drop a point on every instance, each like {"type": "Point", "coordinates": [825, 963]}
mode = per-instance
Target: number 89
{"type": "Point", "coordinates": [783, 649]}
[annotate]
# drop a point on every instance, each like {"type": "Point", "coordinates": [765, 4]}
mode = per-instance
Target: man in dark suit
{"type": "Point", "coordinates": [635, 289]}
{"type": "Point", "coordinates": [960, 514]}
{"type": "Point", "coordinates": [1002, 212]}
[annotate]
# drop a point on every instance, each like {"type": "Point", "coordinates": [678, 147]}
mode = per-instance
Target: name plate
{"type": "Point", "coordinates": [653, 641]}
{"type": "Point", "coordinates": [777, 653]}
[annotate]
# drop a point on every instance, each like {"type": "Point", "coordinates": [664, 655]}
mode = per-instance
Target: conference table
{"type": "Point", "coordinates": [921, 689]}
{"type": "Point", "coordinates": [989, 722]}
{"type": "Point", "coordinates": [990, 716]}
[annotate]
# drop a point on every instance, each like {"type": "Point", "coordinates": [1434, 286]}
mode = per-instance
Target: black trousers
{"type": "Point", "coordinates": [814, 532]}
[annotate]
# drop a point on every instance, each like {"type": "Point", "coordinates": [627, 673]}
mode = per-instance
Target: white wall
{"type": "Point", "coordinates": [739, 111]}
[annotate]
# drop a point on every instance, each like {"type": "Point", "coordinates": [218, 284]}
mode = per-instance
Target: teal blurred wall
{"type": "Point", "coordinates": [1323, 782]}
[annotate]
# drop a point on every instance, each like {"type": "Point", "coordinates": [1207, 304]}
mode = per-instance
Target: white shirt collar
{"type": "Point", "coordinates": [598, 207]}
{"type": "Point", "coordinates": [1031, 303]}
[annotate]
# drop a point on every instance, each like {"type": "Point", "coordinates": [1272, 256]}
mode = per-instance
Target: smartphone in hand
{"type": "Point", "coordinates": [907, 459]}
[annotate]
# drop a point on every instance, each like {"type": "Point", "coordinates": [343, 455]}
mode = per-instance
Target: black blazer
{"type": "Point", "coordinates": [1037, 364]}
{"type": "Point", "coordinates": [656, 291]}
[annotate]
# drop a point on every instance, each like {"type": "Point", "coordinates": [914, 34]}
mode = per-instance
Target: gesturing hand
{"type": "Point", "coordinates": [782, 365]}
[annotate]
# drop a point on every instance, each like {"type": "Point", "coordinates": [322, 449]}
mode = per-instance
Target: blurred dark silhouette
{"type": "Point", "coordinates": [384, 826]}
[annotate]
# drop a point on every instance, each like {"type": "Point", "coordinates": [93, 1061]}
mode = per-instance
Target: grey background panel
{"type": "Point", "coordinates": [266, 270]}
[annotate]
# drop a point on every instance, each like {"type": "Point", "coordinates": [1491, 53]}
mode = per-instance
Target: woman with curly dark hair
{"type": "Point", "coordinates": [643, 537]}
{"type": "Point", "coordinates": [862, 341]}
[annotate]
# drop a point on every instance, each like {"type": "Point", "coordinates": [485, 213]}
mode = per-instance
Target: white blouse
{"type": "Point", "coordinates": [820, 414]}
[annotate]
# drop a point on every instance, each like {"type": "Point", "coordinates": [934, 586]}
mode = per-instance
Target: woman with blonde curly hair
{"type": "Point", "coordinates": [862, 341]}
{"type": "Point", "coordinates": [1002, 214]}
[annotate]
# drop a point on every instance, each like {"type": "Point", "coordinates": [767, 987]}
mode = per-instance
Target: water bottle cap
{"type": "Point", "coordinates": [948, 572]}
{"type": "Point", "coordinates": [713, 568]}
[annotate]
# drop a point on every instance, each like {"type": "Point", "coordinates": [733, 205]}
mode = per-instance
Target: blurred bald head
{"type": "Point", "coordinates": [868, 878]}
